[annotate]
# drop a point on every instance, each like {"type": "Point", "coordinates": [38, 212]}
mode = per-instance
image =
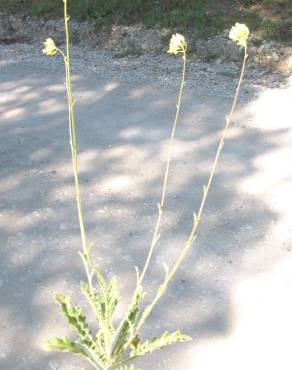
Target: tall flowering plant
{"type": "Point", "coordinates": [117, 346]}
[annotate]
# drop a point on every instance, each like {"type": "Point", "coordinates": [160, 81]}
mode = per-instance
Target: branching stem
{"type": "Point", "coordinates": [197, 217]}
{"type": "Point", "coordinates": [162, 200]}
{"type": "Point", "coordinates": [109, 362]}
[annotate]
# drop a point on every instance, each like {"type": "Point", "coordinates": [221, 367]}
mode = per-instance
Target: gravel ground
{"type": "Point", "coordinates": [163, 70]}
{"type": "Point", "coordinates": [233, 294]}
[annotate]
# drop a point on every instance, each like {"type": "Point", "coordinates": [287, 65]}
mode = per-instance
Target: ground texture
{"type": "Point", "coordinates": [233, 294]}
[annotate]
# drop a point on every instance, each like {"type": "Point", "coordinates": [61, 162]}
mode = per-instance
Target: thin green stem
{"type": "Point", "coordinates": [197, 217]}
{"type": "Point", "coordinates": [162, 200]}
{"type": "Point", "coordinates": [73, 145]}
{"type": "Point", "coordinates": [166, 174]}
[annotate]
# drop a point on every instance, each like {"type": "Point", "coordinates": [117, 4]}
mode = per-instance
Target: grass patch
{"type": "Point", "coordinates": [270, 18]}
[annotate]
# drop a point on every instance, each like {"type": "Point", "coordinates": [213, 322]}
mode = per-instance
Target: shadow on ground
{"type": "Point", "coordinates": [123, 133]}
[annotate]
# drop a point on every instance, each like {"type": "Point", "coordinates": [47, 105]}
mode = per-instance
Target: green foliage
{"type": "Point", "coordinates": [77, 320]}
{"type": "Point", "coordinates": [250, 2]}
{"type": "Point", "coordinates": [267, 27]}
{"type": "Point", "coordinates": [208, 17]}
{"type": "Point", "coordinates": [109, 348]}
{"type": "Point", "coordinates": [90, 347]}
{"type": "Point", "coordinates": [64, 345]}
{"type": "Point", "coordinates": [270, 29]}
{"type": "Point", "coordinates": [155, 344]}
{"type": "Point", "coordinates": [128, 326]}
{"type": "Point", "coordinates": [103, 302]}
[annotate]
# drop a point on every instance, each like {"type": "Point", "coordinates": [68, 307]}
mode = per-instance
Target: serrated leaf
{"type": "Point", "coordinates": [77, 320]}
{"type": "Point", "coordinates": [103, 301]}
{"type": "Point", "coordinates": [64, 345]}
{"type": "Point", "coordinates": [128, 326]}
{"type": "Point", "coordinates": [158, 343]}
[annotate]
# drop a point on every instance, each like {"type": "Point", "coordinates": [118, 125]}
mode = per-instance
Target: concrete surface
{"type": "Point", "coordinates": [234, 293]}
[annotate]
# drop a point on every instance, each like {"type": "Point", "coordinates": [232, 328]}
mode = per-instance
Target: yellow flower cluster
{"type": "Point", "coordinates": [239, 33]}
{"type": "Point", "coordinates": [50, 47]}
{"type": "Point", "coordinates": [177, 44]}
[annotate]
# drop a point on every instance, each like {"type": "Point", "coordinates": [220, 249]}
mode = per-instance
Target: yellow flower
{"type": "Point", "coordinates": [239, 33]}
{"type": "Point", "coordinates": [177, 44]}
{"type": "Point", "coordinates": [50, 47]}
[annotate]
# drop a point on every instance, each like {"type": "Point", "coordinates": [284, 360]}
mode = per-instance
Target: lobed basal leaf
{"type": "Point", "coordinates": [103, 303]}
{"type": "Point", "coordinates": [155, 344]}
{"type": "Point", "coordinates": [130, 322]}
{"type": "Point", "coordinates": [64, 345]}
{"type": "Point", "coordinates": [77, 320]}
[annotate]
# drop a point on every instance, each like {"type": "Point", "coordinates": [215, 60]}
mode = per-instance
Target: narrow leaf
{"type": "Point", "coordinates": [77, 320]}
{"type": "Point", "coordinates": [103, 301]}
{"type": "Point", "coordinates": [158, 343]}
{"type": "Point", "coordinates": [64, 345]}
{"type": "Point", "coordinates": [131, 319]}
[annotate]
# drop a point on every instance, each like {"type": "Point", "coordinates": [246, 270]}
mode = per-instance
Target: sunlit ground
{"type": "Point", "coordinates": [232, 295]}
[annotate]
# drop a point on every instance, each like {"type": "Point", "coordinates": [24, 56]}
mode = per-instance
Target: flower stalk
{"type": "Point", "coordinates": [51, 50]}
{"type": "Point", "coordinates": [197, 216]}
{"type": "Point", "coordinates": [177, 45]}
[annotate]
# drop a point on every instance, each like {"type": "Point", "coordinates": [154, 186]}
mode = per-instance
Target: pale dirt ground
{"type": "Point", "coordinates": [234, 293]}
